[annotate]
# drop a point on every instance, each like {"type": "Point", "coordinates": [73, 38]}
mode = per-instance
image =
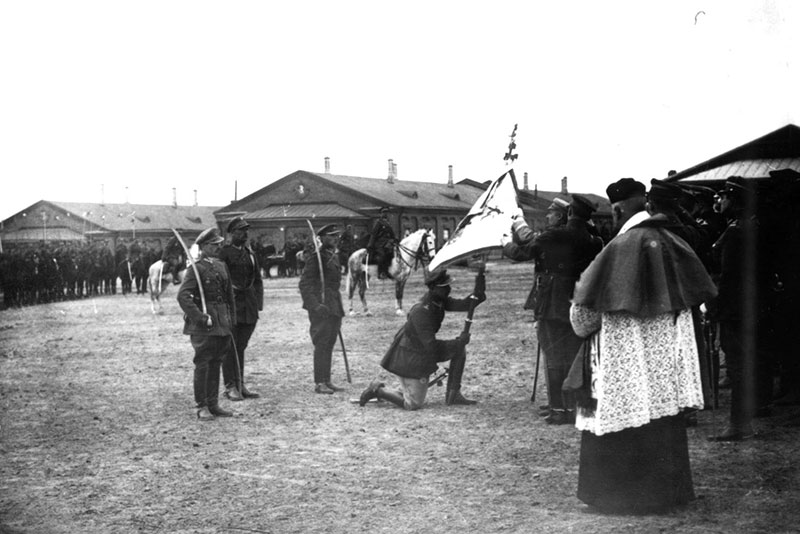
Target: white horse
{"type": "Point", "coordinates": [158, 280]}
{"type": "Point", "coordinates": [414, 250]}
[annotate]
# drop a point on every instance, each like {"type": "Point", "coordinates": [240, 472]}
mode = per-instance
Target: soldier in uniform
{"type": "Point", "coordinates": [738, 305]}
{"type": "Point", "coordinates": [560, 254]}
{"type": "Point", "coordinates": [323, 302]}
{"type": "Point", "coordinates": [415, 351]}
{"type": "Point", "coordinates": [381, 243]}
{"type": "Point", "coordinates": [248, 290]}
{"type": "Point", "coordinates": [346, 246]}
{"type": "Point", "coordinates": [210, 330]}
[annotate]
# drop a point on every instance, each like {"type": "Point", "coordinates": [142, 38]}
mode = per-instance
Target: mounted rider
{"type": "Point", "coordinates": [174, 259]}
{"type": "Point", "coordinates": [382, 241]}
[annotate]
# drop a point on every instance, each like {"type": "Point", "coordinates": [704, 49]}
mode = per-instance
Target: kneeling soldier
{"type": "Point", "coordinates": [415, 351]}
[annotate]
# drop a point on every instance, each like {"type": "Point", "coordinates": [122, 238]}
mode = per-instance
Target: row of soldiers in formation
{"type": "Point", "coordinates": [53, 271]}
{"type": "Point", "coordinates": [38, 273]}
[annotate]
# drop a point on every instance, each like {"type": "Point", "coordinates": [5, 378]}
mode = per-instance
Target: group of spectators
{"type": "Point", "coordinates": [628, 329]}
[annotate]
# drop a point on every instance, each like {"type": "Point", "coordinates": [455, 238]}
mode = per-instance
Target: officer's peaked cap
{"type": "Point", "coordinates": [735, 186]}
{"type": "Point", "coordinates": [208, 236]}
{"type": "Point", "coordinates": [328, 229]}
{"type": "Point", "coordinates": [236, 224]}
{"type": "Point", "coordinates": [438, 277]}
{"type": "Point", "coordinates": [661, 190]}
{"type": "Point", "coordinates": [558, 204]}
{"type": "Point", "coordinates": [582, 206]}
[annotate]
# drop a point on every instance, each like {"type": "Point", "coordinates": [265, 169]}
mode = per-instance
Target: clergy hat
{"type": "Point", "coordinates": [328, 229]}
{"type": "Point", "coordinates": [209, 236]}
{"type": "Point", "coordinates": [237, 224]}
{"type": "Point", "coordinates": [623, 189]}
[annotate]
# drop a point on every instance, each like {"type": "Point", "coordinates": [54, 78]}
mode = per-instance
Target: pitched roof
{"type": "Point", "coordinates": [120, 217]}
{"type": "Point", "coordinates": [403, 193]}
{"type": "Point", "coordinates": [779, 149]}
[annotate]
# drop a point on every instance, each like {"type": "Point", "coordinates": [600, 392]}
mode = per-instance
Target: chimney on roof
{"type": "Point", "coordinates": [390, 178]}
{"type": "Point", "coordinates": [174, 198]}
{"type": "Point", "coordinates": [564, 185]}
{"type": "Point", "coordinates": [450, 176]}
{"type": "Point", "coordinates": [195, 197]}
{"type": "Point", "coordinates": [327, 165]}
{"type": "Point", "coordinates": [535, 190]}
{"type": "Point", "coordinates": [394, 170]}
{"type": "Point", "coordinates": [525, 181]}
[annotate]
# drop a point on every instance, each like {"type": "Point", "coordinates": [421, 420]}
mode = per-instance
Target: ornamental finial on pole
{"type": "Point", "coordinates": [510, 156]}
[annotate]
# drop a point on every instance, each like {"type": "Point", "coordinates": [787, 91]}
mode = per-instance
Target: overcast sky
{"type": "Point", "coordinates": [104, 96]}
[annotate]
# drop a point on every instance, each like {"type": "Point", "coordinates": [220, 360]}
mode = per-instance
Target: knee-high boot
{"type": "Point", "coordinates": [453, 395]}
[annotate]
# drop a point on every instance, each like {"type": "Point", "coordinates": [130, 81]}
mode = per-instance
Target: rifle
{"type": "Point", "coordinates": [480, 288]}
{"type": "Point", "coordinates": [536, 373]}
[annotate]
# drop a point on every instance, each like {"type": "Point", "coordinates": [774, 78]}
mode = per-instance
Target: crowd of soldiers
{"type": "Point", "coordinates": [52, 271]}
{"type": "Point", "coordinates": [38, 273]}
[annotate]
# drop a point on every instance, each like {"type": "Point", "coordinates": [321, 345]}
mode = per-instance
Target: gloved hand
{"type": "Point", "coordinates": [322, 309]}
{"type": "Point", "coordinates": [463, 339]}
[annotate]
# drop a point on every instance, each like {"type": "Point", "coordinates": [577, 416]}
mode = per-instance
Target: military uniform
{"type": "Point", "coordinates": [210, 343]}
{"type": "Point", "coordinates": [737, 311]}
{"type": "Point", "coordinates": [248, 290]}
{"type": "Point", "coordinates": [415, 352]}
{"type": "Point", "coordinates": [381, 244]}
{"type": "Point", "coordinates": [560, 255]}
{"type": "Point", "coordinates": [324, 306]}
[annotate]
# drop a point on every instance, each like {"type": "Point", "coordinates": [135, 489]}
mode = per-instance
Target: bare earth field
{"type": "Point", "coordinates": [98, 433]}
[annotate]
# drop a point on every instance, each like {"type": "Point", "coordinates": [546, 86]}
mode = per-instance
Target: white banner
{"type": "Point", "coordinates": [485, 224]}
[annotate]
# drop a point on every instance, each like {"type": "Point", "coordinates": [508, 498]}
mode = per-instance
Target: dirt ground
{"type": "Point", "coordinates": [98, 433]}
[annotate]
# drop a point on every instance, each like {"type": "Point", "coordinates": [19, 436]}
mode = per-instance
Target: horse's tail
{"type": "Point", "coordinates": [349, 277]}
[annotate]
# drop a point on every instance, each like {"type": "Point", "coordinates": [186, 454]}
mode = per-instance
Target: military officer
{"type": "Point", "coordinates": [381, 243]}
{"type": "Point", "coordinates": [560, 253]}
{"type": "Point", "coordinates": [209, 330]}
{"type": "Point", "coordinates": [323, 302]}
{"type": "Point", "coordinates": [415, 351]}
{"type": "Point", "coordinates": [248, 290]}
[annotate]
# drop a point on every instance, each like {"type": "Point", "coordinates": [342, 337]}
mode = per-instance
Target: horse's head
{"type": "Point", "coordinates": [428, 245]}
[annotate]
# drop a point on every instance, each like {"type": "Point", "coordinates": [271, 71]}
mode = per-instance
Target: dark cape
{"type": "Point", "coordinates": [646, 271]}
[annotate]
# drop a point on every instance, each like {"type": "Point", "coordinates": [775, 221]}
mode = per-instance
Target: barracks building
{"type": "Point", "coordinates": [278, 212]}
